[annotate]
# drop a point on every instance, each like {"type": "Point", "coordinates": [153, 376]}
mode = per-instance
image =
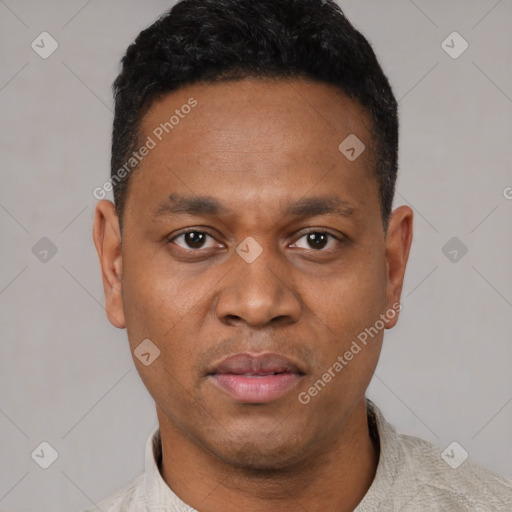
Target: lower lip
{"type": "Point", "coordinates": [258, 389]}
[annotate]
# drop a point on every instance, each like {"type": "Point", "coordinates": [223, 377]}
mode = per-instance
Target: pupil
{"type": "Point", "coordinates": [317, 240]}
{"type": "Point", "coordinates": [194, 239]}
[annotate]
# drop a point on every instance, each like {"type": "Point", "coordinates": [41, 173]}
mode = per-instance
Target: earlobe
{"type": "Point", "coordinates": [398, 245]}
{"type": "Point", "coordinates": [107, 239]}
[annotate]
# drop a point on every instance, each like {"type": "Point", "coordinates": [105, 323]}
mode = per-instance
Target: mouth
{"type": "Point", "coordinates": [256, 379]}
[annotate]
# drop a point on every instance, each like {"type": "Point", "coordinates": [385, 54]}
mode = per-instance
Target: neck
{"type": "Point", "coordinates": [335, 477]}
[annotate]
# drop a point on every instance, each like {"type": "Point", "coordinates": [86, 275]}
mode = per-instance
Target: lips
{"type": "Point", "coordinates": [258, 378]}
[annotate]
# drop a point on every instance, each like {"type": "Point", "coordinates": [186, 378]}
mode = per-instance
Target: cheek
{"type": "Point", "coordinates": [159, 305]}
{"type": "Point", "coordinates": [153, 297]}
{"type": "Point", "coordinates": [352, 300]}
{"type": "Point", "coordinates": [360, 298]}
{"type": "Point", "coordinates": [154, 311]}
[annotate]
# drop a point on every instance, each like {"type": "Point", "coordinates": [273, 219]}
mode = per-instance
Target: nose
{"type": "Point", "coordinates": [258, 294]}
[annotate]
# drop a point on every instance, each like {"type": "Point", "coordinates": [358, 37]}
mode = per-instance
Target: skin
{"type": "Point", "coordinates": [257, 146]}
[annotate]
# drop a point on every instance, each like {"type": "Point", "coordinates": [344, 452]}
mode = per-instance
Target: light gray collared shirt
{"type": "Point", "coordinates": [412, 475]}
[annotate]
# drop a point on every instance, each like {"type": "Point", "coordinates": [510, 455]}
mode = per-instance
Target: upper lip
{"type": "Point", "coordinates": [259, 364]}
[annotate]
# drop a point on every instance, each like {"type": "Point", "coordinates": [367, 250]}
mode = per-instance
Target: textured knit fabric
{"type": "Point", "coordinates": [412, 476]}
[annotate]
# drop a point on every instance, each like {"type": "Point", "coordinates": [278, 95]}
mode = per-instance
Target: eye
{"type": "Point", "coordinates": [193, 239]}
{"type": "Point", "coordinates": [317, 240]}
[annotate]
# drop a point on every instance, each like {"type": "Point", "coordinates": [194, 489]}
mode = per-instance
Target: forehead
{"type": "Point", "coordinates": [263, 138]}
{"type": "Point", "coordinates": [305, 108]}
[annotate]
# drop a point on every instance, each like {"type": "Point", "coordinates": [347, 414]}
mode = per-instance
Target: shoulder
{"type": "Point", "coordinates": [126, 499]}
{"type": "Point", "coordinates": [450, 477]}
{"type": "Point", "coordinates": [415, 474]}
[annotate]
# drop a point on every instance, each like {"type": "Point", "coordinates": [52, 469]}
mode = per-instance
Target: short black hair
{"type": "Point", "coordinates": [206, 41]}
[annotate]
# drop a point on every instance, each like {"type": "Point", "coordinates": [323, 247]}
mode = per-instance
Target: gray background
{"type": "Point", "coordinates": [66, 374]}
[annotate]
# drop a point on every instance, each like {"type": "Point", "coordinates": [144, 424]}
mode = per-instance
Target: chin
{"type": "Point", "coordinates": [262, 454]}
{"type": "Point", "coordinates": [254, 461]}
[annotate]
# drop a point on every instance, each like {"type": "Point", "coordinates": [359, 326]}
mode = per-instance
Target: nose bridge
{"type": "Point", "coordinates": [258, 291]}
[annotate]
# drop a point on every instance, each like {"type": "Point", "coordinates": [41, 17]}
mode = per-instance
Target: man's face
{"type": "Point", "coordinates": [289, 300]}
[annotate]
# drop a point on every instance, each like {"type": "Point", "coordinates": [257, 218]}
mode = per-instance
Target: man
{"type": "Point", "coordinates": [254, 259]}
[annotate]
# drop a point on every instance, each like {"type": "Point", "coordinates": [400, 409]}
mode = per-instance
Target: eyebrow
{"type": "Point", "coordinates": [206, 205]}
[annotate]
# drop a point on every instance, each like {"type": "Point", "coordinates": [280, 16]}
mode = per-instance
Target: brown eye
{"type": "Point", "coordinates": [193, 240]}
{"type": "Point", "coordinates": [317, 240]}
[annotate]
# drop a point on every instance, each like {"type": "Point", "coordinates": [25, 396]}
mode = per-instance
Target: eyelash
{"type": "Point", "coordinates": [209, 233]}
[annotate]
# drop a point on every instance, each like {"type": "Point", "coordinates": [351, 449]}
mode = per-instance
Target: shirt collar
{"type": "Point", "coordinates": [157, 493]}
{"type": "Point", "coordinates": [390, 457]}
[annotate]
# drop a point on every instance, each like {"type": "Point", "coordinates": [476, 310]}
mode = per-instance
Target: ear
{"type": "Point", "coordinates": [107, 239]}
{"type": "Point", "coordinates": [398, 245]}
